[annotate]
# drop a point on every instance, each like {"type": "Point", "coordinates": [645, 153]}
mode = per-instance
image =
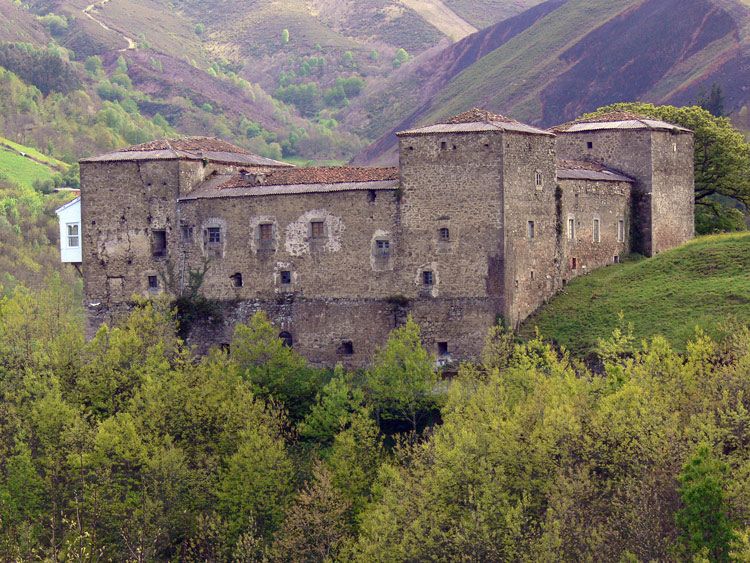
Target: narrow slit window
{"type": "Point", "coordinates": [73, 235]}
{"type": "Point", "coordinates": [571, 228]}
{"type": "Point", "coordinates": [187, 233]}
{"type": "Point", "coordinates": [530, 230]}
{"type": "Point", "coordinates": [621, 230]}
{"type": "Point", "coordinates": [266, 232]}
{"type": "Point", "coordinates": [538, 179]}
{"type": "Point", "coordinates": [159, 243]}
{"type": "Point", "coordinates": [574, 263]}
{"type": "Point", "coordinates": [317, 229]}
{"type": "Point", "coordinates": [597, 231]}
{"type": "Point", "coordinates": [428, 278]}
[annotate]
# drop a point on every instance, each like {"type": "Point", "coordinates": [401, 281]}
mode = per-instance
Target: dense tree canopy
{"type": "Point", "coordinates": [128, 448]}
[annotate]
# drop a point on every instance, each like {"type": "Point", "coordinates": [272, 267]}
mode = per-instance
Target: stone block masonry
{"type": "Point", "coordinates": [481, 223]}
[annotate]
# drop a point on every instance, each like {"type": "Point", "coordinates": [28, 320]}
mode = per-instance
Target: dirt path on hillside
{"type": "Point", "coordinates": [88, 12]}
{"type": "Point", "coordinates": [441, 17]}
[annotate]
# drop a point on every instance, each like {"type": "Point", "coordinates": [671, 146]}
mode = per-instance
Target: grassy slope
{"type": "Point", "coordinates": [701, 284]}
{"type": "Point", "coordinates": [22, 169]}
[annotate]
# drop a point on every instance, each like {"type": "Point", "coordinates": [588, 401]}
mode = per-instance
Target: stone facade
{"type": "Point", "coordinates": [480, 223]}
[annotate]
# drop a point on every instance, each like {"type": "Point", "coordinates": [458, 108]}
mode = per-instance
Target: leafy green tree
{"type": "Point", "coordinates": [274, 369]}
{"type": "Point", "coordinates": [256, 484]}
{"type": "Point", "coordinates": [400, 58]}
{"type": "Point", "coordinates": [713, 102]}
{"type": "Point", "coordinates": [22, 502]}
{"type": "Point", "coordinates": [401, 384]}
{"type": "Point", "coordinates": [703, 518]}
{"type": "Point", "coordinates": [354, 459]}
{"type": "Point", "coordinates": [316, 525]}
{"type": "Point", "coordinates": [200, 29]}
{"type": "Point", "coordinates": [333, 409]}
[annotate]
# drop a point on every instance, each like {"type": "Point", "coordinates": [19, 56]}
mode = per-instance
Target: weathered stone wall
{"type": "Point", "coordinates": [661, 163]}
{"type": "Point", "coordinates": [628, 152]}
{"type": "Point", "coordinates": [532, 260]}
{"type": "Point", "coordinates": [583, 201]}
{"type": "Point", "coordinates": [477, 231]}
{"type": "Point", "coordinates": [340, 264]}
{"type": "Point", "coordinates": [453, 181]}
{"type": "Point", "coordinates": [673, 190]}
{"type": "Point", "coordinates": [123, 204]}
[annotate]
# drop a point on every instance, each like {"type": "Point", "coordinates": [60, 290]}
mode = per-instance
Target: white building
{"type": "Point", "coordinates": [69, 216]}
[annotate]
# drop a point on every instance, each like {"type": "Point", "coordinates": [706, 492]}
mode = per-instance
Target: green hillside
{"type": "Point", "coordinates": [704, 283]}
{"type": "Point", "coordinates": [25, 165]}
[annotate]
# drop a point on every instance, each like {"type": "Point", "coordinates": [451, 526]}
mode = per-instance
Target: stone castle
{"type": "Point", "coordinates": [484, 220]}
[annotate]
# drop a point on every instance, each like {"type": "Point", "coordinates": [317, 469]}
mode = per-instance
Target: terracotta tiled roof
{"type": "Point", "coordinates": [476, 115]}
{"type": "Point", "coordinates": [316, 175]}
{"type": "Point", "coordinates": [190, 144]}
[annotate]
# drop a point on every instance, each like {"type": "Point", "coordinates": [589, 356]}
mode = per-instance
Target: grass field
{"type": "Point", "coordinates": [702, 284]}
{"type": "Point", "coordinates": [22, 170]}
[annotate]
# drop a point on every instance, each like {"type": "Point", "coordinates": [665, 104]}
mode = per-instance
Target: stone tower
{"type": "Point", "coordinates": [658, 156]}
{"type": "Point", "coordinates": [478, 216]}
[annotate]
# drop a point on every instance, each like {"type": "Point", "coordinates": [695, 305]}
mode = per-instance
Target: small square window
{"type": "Point", "coordinates": [427, 278]}
{"type": "Point", "coordinates": [187, 234]}
{"type": "Point", "coordinates": [444, 234]}
{"type": "Point", "coordinates": [530, 230]}
{"type": "Point", "coordinates": [347, 348]}
{"type": "Point", "coordinates": [442, 349]}
{"type": "Point", "coordinates": [383, 247]}
{"type": "Point", "coordinates": [159, 243]}
{"type": "Point", "coordinates": [286, 277]}
{"type": "Point", "coordinates": [443, 145]}
{"type": "Point", "coordinates": [236, 279]}
{"type": "Point", "coordinates": [214, 235]}
{"type": "Point", "coordinates": [589, 145]}
{"type": "Point", "coordinates": [266, 232]}
{"type": "Point", "coordinates": [317, 229]}
{"type": "Point", "coordinates": [73, 235]}
{"type": "Point", "coordinates": [153, 282]}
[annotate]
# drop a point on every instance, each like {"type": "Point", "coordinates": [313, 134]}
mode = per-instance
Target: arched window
{"type": "Point", "coordinates": [538, 179]}
{"type": "Point", "coordinates": [286, 339]}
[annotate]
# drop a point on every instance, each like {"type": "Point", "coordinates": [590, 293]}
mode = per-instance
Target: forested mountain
{"type": "Point", "coordinates": [324, 79]}
{"type": "Point", "coordinates": [565, 57]}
